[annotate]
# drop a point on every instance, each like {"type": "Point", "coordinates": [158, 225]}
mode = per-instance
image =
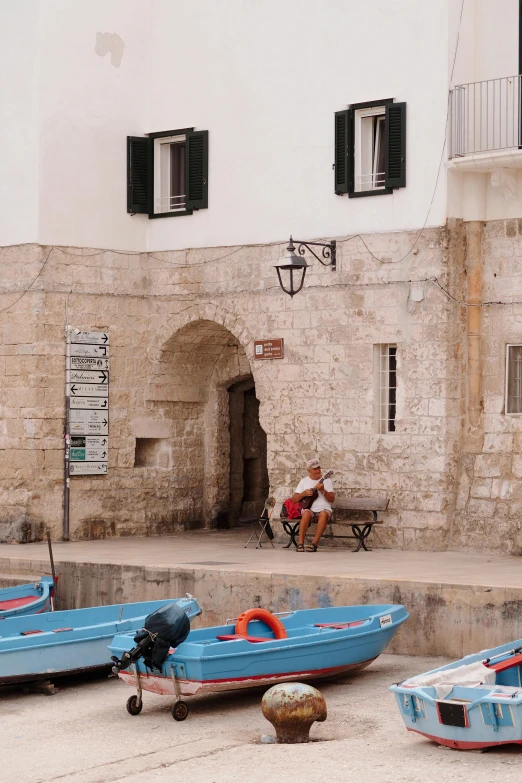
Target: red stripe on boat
{"type": "Point", "coordinates": [230, 637]}
{"type": "Point", "coordinates": [339, 626]}
{"type": "Point", "coordinates": [14, 603]}
{"type": "Point", "coordinates": [508, 663]}
{"type": "Point", "coordinates": [304, 672]}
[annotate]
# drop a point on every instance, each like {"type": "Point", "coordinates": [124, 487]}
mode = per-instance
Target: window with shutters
{"type": "Point", "coordinates": [370, 148]}
{"type": "Point", "coordinates": [167, 173]}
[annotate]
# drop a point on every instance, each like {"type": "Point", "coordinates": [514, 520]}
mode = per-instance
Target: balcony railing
{"type": "Point", "coordinates": [485, 116]}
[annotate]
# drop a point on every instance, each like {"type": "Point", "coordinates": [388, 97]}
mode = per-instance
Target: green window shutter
{"type": "Point", "coordinates": [138, 175]}
{"type": "Point", "coordinates": [395, 146]}
{"type": "Point", "coordinates": [196, 170]}
{"type": "Point", "coordinates": [343, 168]}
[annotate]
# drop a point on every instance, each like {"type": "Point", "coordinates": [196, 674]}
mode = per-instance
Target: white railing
{"type": "Point", "coordinates": [485, 116]}
{"type": "Point", "coordinates": [170, 203]}
{"type": "Point", "coordinates": [370, 181]}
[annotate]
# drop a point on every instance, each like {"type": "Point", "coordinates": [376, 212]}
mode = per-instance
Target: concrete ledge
{"type": "Point", "coordinates": [445, 619]}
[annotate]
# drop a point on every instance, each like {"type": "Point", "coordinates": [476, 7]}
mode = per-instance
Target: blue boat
{"type": "Point", "coordinates": [475, 702]}
{"type": "Point", "coordinates": [313, 644]}
{"type": "Point", "coordinates": [76, 640]}
{"type": "Point", "coordinates": [31, 598]}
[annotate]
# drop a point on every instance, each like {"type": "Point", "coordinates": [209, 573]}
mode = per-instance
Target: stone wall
{"type": "Point", "coordinates": [182, 326]}
{"type": "Point", "coordinates": [489, 503]}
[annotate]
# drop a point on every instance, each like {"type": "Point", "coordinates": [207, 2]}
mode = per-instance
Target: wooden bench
{"type": "Point", "coordinates": [360, 530]}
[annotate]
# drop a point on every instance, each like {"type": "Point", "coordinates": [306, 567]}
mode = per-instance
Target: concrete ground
{"type": "Point", "coordinates": [224, 550]}
{"type": "Point", "coordinates": [83, 734]}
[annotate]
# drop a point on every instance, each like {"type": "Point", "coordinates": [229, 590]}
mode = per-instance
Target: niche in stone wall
{"type": "Point", "coordinates": [153, 453]}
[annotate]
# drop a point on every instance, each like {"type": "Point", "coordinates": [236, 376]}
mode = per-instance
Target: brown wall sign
{"type": "Point", "coordinates": [269, 349]}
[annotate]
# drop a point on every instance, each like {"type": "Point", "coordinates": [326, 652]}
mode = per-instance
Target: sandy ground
{"type": "Point", "coordinates": [83, 734]}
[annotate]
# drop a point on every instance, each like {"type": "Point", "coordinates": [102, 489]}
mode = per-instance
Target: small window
{"type": "Point", "coordinates": [167, 173]}
{"type": "Point", "coordinates": [514, 379]}
{"type": "Point", "coordinates": [386, 383]}
{"type": "Point", "coordinates": [370, 148]}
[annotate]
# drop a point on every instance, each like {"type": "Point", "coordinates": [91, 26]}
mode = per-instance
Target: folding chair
{"type": "Point", "coordinates": [261, 525]}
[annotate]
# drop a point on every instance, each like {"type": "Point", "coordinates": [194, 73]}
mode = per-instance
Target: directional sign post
{"type": "Point", "coordinates": [87, 403]}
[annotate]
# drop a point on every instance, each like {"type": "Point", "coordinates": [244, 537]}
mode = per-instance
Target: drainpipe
{"type": "Point", "coordinates": [474, 271]}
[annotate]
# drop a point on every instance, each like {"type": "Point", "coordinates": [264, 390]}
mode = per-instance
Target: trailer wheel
{"type": "Point", "coordinates": [134, 705]}
{"type": "Point", "coordinates": [180, 710]}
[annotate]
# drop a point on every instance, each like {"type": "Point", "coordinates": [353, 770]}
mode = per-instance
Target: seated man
{"type": "Point", "coordinates": [320, 511]}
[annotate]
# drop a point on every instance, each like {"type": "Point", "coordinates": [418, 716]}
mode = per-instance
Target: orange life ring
{"type": "Point", "coordinates": [261, 614]}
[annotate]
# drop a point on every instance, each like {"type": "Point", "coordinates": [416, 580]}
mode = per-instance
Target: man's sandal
{"type": "Point", "coordinates": [311, 548]}
{"type": "Point", "coordinates": [300, 548]}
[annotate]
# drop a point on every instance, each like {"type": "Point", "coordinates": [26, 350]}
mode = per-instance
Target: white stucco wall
{"type": "Point", "coordinates": [488, 39]}
{"type": "Point", "coordinates": [19, 34]}
{"type": "Point", "coordinates": [89, 102]}
{"type": "Point", "coordinates": [265, 79]}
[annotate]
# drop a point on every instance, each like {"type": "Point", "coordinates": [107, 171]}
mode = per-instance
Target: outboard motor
{"type": "Point", "coordinates": [165, 628]}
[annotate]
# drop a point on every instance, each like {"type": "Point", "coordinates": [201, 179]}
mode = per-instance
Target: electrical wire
{"type": "Point", "coordinates": [30, 286]}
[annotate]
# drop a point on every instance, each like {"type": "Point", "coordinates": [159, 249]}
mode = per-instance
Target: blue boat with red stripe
{"type": "Point", "coordinates": [54, 644]}
{"type": "Point", "coordinates": [472, 703]}
{"type": "Point", "coordinates": [32, 598]}
{"type": "Point", "coordinates": [261, 649]}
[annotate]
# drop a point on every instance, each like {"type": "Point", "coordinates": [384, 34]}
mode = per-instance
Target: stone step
{"type": "Point", "coordinates": [12, 580]}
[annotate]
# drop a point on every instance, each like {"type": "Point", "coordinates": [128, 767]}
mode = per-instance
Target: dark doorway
{"type": "Point", "coordinates": [249, 484]}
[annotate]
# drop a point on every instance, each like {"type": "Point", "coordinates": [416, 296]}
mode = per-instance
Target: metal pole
{"type": "Point", "coordinates": [67, 451]}
{"type": "Point", "coordinates": [51, 558]}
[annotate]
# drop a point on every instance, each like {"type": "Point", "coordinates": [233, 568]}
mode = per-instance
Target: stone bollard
{"type": "Point", "coordinates": [291, 708]}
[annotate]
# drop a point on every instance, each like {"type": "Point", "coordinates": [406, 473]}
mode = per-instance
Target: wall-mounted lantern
{"type": "Point", "coordinates": [294, 268]}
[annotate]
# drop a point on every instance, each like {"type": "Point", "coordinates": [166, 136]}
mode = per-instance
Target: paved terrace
{"type": "Point", "coordinates": [216, 550]}
{"type": "Point", "coordinates": [459, 602]}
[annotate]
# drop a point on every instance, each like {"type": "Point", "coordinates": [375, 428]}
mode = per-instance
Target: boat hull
{"type": "Point", "coordinates": [164, 686]}
{"type": "Point", "coordinates": [22, 600]}
{"type": "Point", "coordinates": [62, 643]}
{"type": "Point", "coordinates": [463, 744]}
{"type": "Point", "coordinates": [213, 659]}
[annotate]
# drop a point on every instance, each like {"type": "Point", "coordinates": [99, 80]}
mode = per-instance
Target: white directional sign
{"type": "Point", "coordinates": [91, 338]}
{"type": "Point", "coordinates": [89, 363]}
{"type": "Point", "coordinates": [88, 468]}
{"type": "Point", "coordinates": [90, 350]}
{"type": "Point", "coordinates": [87, 391]}
{"type": "Point", "coordinates": [90, 403]}
{"type": "Point", "coordinates": [89, 422]}
{"type": "Point", "coordinates": [90, 376]}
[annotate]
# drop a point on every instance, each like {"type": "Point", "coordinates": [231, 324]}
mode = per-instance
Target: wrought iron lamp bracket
{"type": "Point", "coordinates": [329, 251]}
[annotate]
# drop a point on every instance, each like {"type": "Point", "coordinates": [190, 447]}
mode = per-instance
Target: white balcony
{"type": "Point", "coordinates": [485, 125]}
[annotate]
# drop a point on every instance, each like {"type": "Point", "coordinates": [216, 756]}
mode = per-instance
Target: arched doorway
{"type": "Point", "coordinates": [202, 383]}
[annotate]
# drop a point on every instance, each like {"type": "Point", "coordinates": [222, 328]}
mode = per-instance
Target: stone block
{"type": "Point", "coordinates": [481, 488]}
{"type": "Point", "coordinates": [494, 442]}
{"type": "Point", "coordinates": [490, 466]}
